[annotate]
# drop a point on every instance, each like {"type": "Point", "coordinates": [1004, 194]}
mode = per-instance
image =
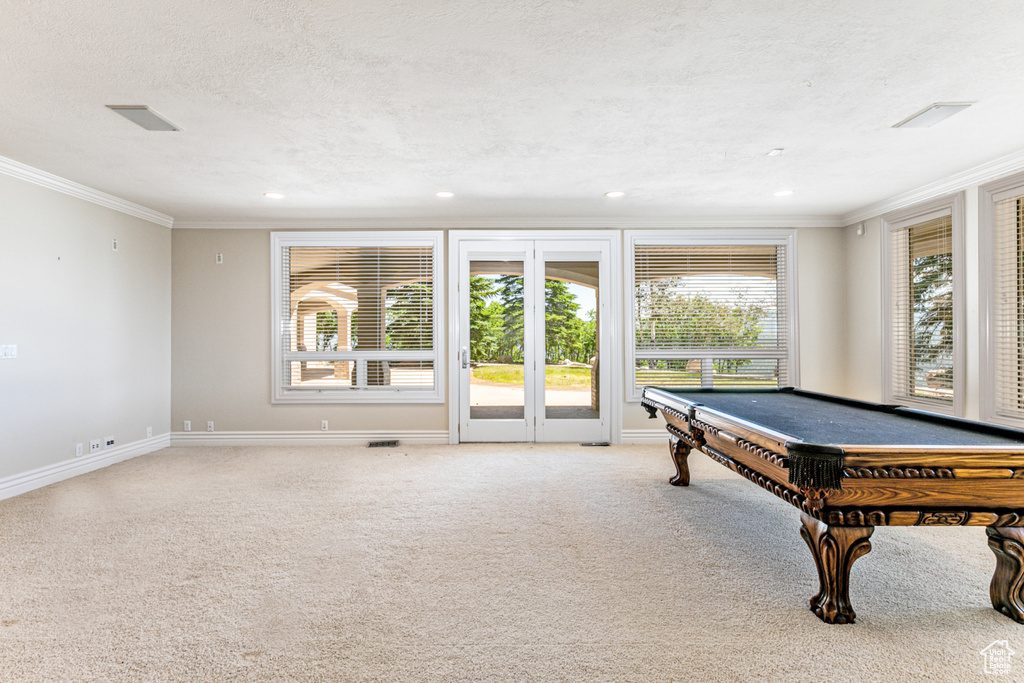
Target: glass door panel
{"type": "Point", "coordinates": [571, 379]}
{"type": "Point", "coordinates": [497, 382]}
{"type": "Point", "coordinates": [495, 347]}
{"type": "Point", "coordinates": [530, 339]}
{"type": "Point", "coordinates": [572, 385]}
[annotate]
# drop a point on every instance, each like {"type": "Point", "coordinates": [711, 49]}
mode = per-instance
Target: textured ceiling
{"type": "Point", "coordinates": [522, 108]}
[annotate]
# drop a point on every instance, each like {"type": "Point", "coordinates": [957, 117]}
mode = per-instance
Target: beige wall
{"type": "Point", "coordinates": [92, 326]}
{"type": "Point", "coordinates": [110, 343]}
{"type": "Point", "coordinates": [222, 337]}
{"type": "Point", "coordinates": [222, 346]}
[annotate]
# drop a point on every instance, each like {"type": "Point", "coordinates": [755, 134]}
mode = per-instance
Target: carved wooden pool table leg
{"type": "Point", "coordinates": [1007, 588]}
{"type": "Point", "coordinates": [835, 549]}
{"type": "Point", "coordinates": [679, 450]}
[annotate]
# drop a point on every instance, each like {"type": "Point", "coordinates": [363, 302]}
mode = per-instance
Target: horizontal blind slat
{"type": "Point", "coordinates": [729, 298]}
{"type": "Point", "coordinates": [372, 301]}
{"type": "Point", "coordinates": [1008, 306]}
{"type": "Point", "coordinates": [921, 318]}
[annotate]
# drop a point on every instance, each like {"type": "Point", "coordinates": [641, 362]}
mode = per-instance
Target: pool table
{"type": "Point", "coordinates": [850, 466]}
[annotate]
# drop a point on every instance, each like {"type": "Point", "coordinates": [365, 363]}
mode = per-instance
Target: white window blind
{"type": "Point", "coordinates": [921, 312]}
{"type": "Point", "coordinates": [1007, 308]}
{"type": "Point", "coordinates": [710, 315]}
{"type": "Point", "coordinates": [357, 316]}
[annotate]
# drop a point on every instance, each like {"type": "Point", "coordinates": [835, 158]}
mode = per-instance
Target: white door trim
{"type": "Point", "coordinates": [503, 430]}
{"type": "Point", "coordinates": [615, 326]}
{"type": "Point", "coordinates": [567, 430]}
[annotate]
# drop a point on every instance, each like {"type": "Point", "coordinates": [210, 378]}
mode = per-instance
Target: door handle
{"type": "Point", "coordinates": [465, 358]}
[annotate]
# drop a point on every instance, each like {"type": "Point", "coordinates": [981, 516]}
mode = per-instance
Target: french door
{"type": "Point", "coordinates": [533, 323]}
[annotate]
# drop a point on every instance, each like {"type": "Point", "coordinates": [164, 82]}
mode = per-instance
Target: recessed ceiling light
{"type": "Point", "coordinates": [777, 152]}
{"type": "Point", "coordinates": [784, 193]}
{"type": "Point", "coordinates": [929, 116]}
{"type": "Point", "coordinates": [144, 116]}
{"type": "Point", "coordinates": [445, 194]}
{"type": "Point", "coordinates": [273, 195]}
{"type": "Point", "coordinates": [615, 194]}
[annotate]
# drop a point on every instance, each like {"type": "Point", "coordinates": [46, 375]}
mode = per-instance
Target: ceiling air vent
{"type": "Point", "coordinates": [143, 116]}
{"type": "Point", "coordinates": [933, 114]}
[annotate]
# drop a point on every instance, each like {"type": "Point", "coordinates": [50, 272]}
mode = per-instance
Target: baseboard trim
{"type": "Point", "coordinates": [637, 436]}
{"type": "Point", "coordinates": [310, 438]}
{"type": "Point", "coordinates": [18, 484]}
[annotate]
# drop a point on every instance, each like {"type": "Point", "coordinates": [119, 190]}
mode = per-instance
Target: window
{"type": "Point", "coordinates": [923, 319]}
{"type": "Point", "coordinates": [712, 309]}
{"type": "Point", "coordinates": [356, 317]}
{"type": "Point", "coordinates": [1002, 241]}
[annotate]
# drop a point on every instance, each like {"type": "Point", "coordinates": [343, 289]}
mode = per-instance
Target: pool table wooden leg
{"type": "Point", "coordinates": [679, 450]}
{"type": "Point", "coordinates": [835, 549]}
{"type": "Point", "coordinates": [1007, 588]}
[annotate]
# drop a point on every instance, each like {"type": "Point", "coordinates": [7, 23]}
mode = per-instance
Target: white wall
{"type": "Point", "coordinates": [92, 326]}
{"type": "Point", "coordinates": [822, 303]}
{"type": "Point", "coordinates": [864, 308]}
{"type": "Point", "coordinates": [863, 348]}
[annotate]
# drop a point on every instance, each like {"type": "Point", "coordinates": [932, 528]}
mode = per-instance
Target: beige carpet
{"type": "Point", "coordinates": [430, 563]}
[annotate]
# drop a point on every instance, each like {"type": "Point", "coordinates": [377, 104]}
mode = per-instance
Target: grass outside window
{"type": "Point", "coordinates": [554, 375]}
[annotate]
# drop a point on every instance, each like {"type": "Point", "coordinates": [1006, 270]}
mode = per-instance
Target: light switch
{"type": "Point", "coordinates": [8, 351]}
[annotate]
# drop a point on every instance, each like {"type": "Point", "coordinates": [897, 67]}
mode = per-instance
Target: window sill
{"type": "Point", "coordinates": [356, 397]}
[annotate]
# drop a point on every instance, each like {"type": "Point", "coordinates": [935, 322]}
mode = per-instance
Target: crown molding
{"type": "Point", "coordinates": [29, 174]}
{"type": "Point", "coordinates": [1003, 166]}
{"type": "Point", "coordinates": [524, 223]}
{"type": "Point", "coordinates": [993, 170]}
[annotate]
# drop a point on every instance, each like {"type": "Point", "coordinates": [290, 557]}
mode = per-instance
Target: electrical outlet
{"type": "Point", "coordinates": [188, 425]}
{"type": "Point", "coordinates": [149, 432]}
{"type": "Point", "coordinates": [94, 446]}
{"type": "Point", "coordinates": [209, 426]}
{"type": "Point", "coordinates": [108, 443]}
{"type": "Point", "coordinates": [78, 450]}
{"type": "Point", "coordinates": [220, 258]}
{"type": "Point", "coordinates": [323, 425]}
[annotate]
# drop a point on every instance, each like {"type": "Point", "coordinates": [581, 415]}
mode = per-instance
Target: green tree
{"type": "Point", "coordinates": [327, 331]}
{"type": "Point", "coordinates": [670, 318]}
{"type": "Point", "coordinates": [485, 319]}
{"type": "Point", "coordinates": [932, 310]}
{"type": "Point", "coordinates": [560, 329]}
{"type": "Point", "coordinates": [510, 294]}
{"type": "Point", "coordinates": [409, 317]}
{"type": "Point", "coordinates": [585, 339]}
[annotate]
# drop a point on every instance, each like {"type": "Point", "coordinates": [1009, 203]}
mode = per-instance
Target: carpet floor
{"type": "Point", "coordinates": [510, 562]}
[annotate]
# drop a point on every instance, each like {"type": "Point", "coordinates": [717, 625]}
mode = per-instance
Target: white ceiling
{"type": "Point", "coordinates": [523, 108]}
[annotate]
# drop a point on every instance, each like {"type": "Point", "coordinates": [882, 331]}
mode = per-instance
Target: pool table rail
{"type": "Point", "coordinates": [888, 485]}
{"type": "Point", "coordinates": [892, 476]}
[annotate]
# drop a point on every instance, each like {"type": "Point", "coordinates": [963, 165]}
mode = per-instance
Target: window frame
{"type": "Point", "coordinates": [988, 196]}
{"type": "Point", "coordinates": [280, 394]}
{"type": "Point", "coordinates": [704, 238]}
{"type": "Point", "coordinates": [948, 205]}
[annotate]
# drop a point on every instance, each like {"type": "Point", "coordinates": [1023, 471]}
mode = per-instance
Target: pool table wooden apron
{"type": "Point", "coordinates": [881, 486]}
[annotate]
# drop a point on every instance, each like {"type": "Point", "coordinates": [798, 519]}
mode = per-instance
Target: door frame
{"type": "Point", "coordinates": [614, 326]}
